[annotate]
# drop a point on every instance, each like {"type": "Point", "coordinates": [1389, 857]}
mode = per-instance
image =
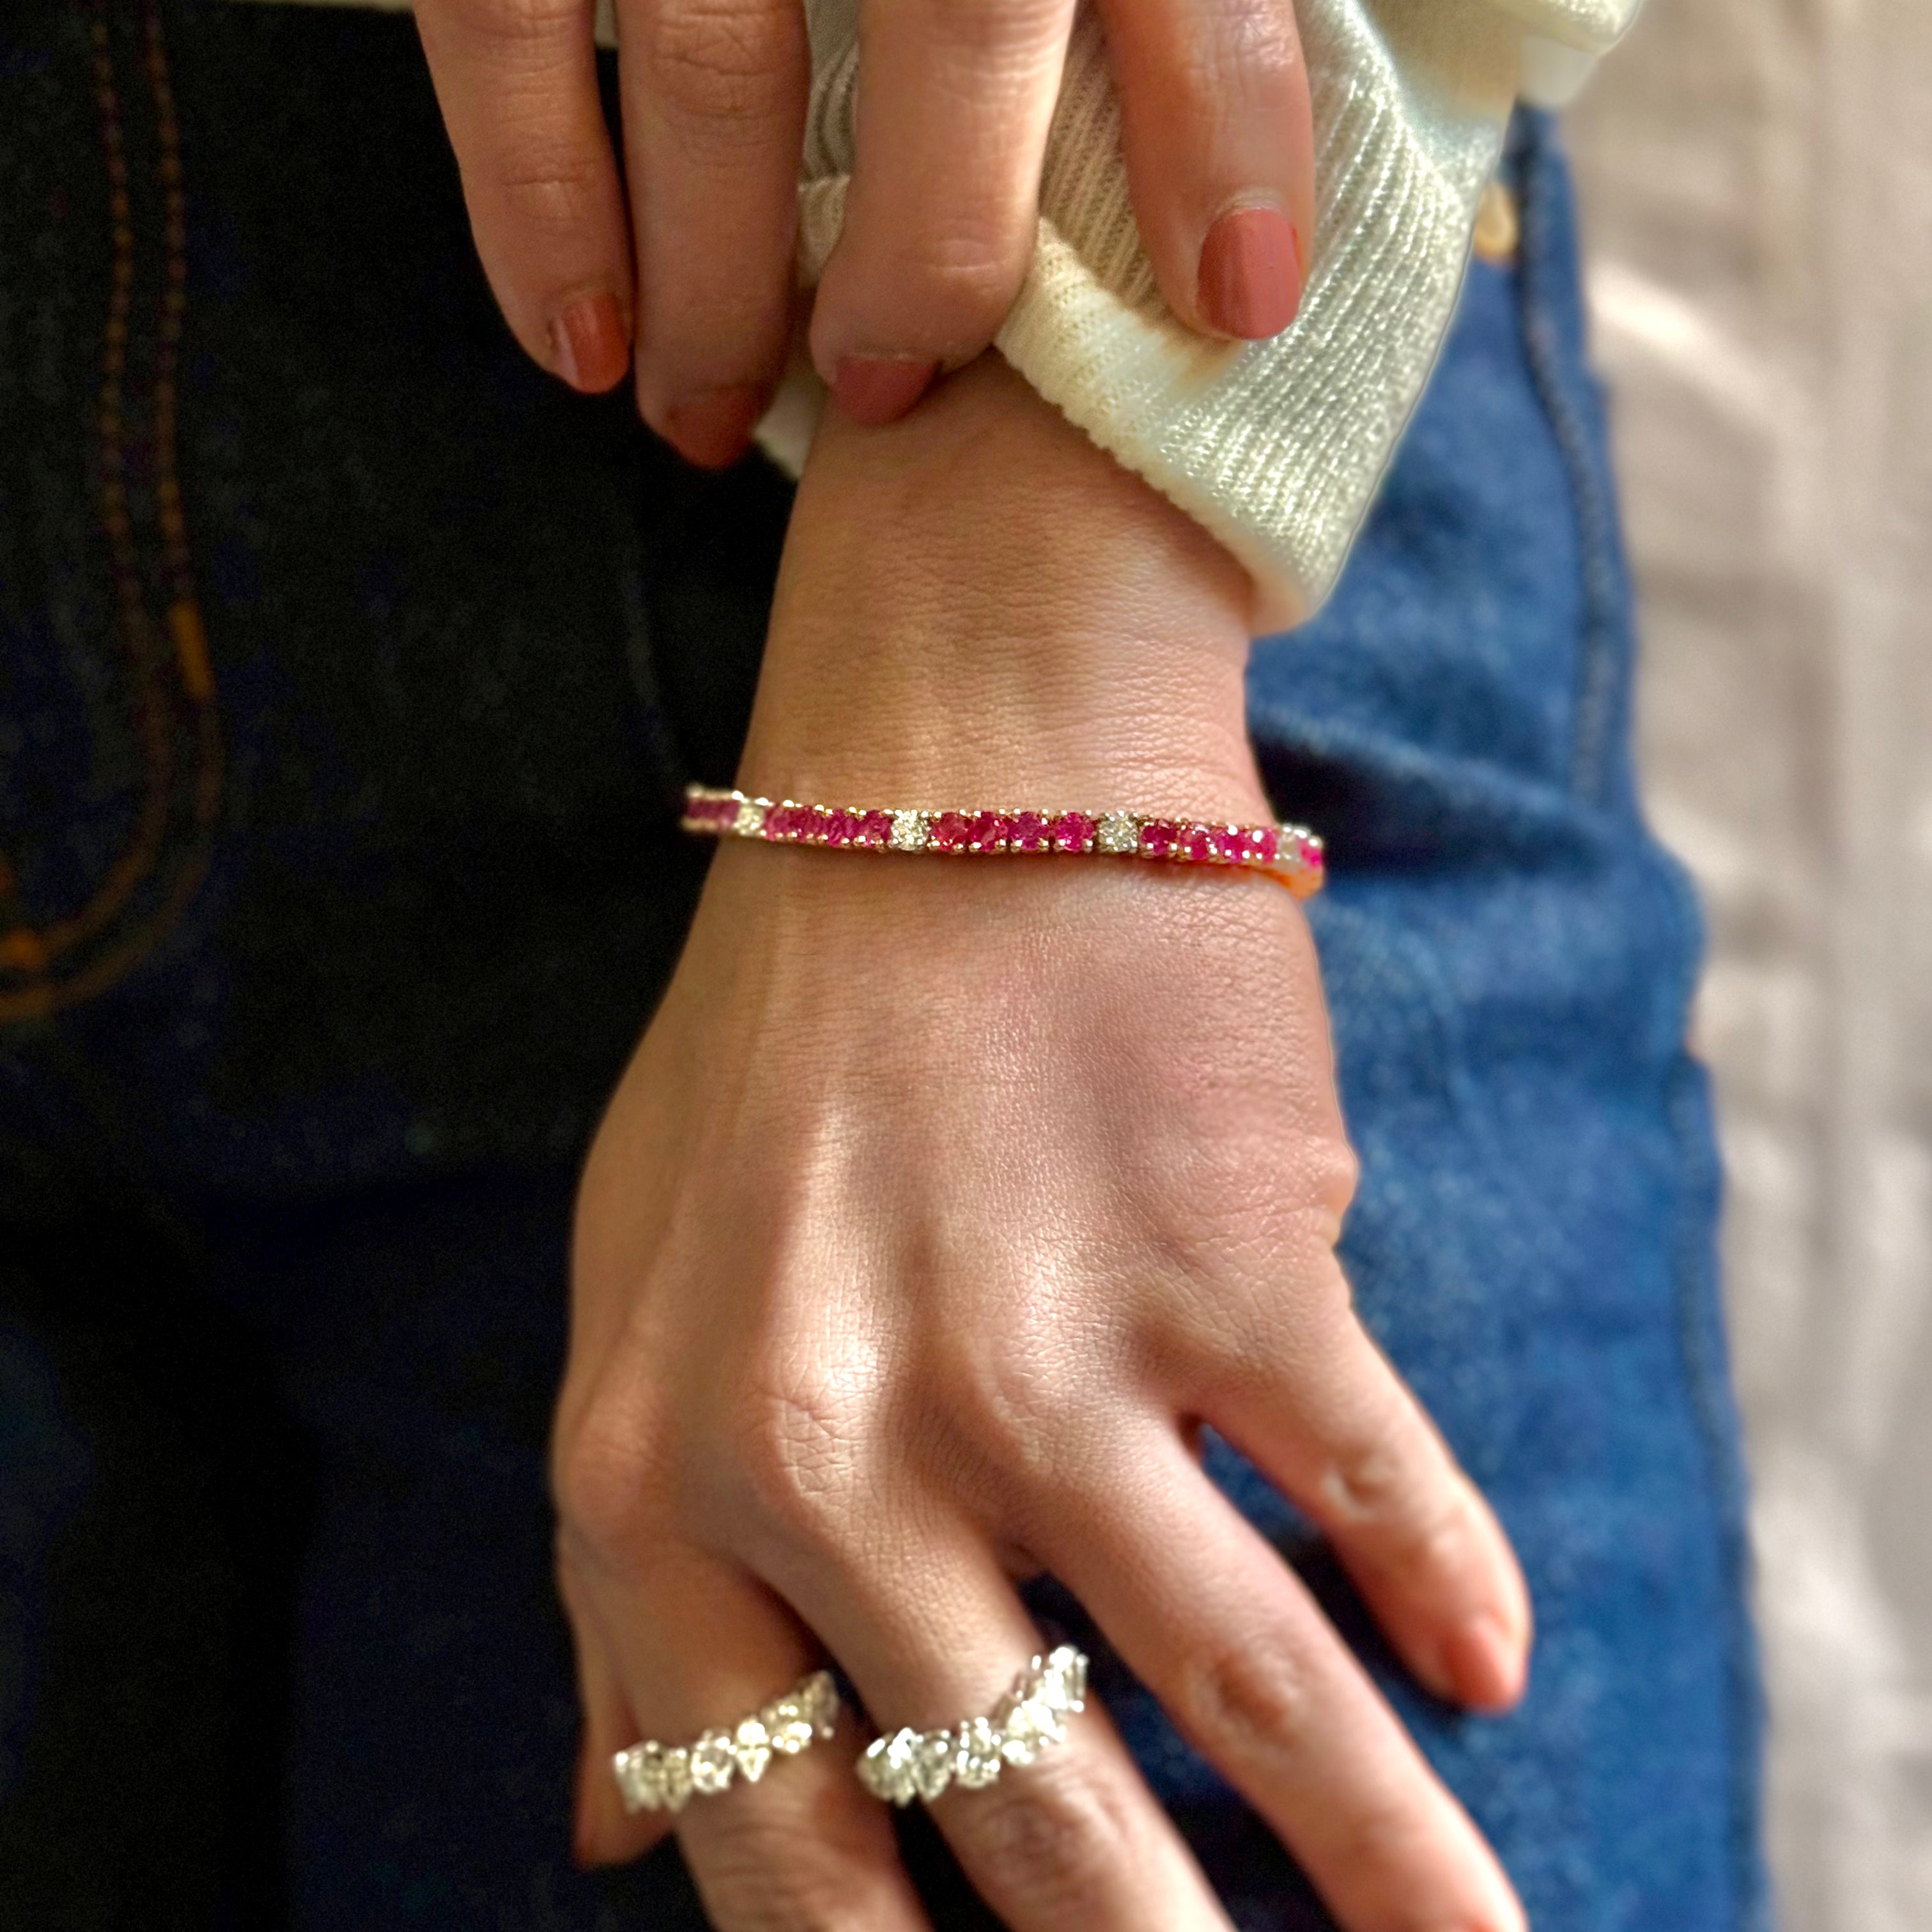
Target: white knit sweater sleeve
{"type": "Point", "coordinates": [1275, 447]}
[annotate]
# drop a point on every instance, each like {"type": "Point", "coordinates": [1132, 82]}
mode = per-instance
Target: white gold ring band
{"type": "Point", "coordinates": [653, 1776]}
{"type": "Point", "coordinates": [1030, 1718]}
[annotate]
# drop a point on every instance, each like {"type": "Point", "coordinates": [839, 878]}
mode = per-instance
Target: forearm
{"type": "Point", "coordinates": [1058, 632]}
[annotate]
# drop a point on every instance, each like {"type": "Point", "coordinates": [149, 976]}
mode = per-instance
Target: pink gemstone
{"type": "Point", "coordinates": [952, 832]}
{"type": "Point", "coordinates": [840, 827]}
{"type": "Point", "coordinates": [990, 831]}
{"type": "Point", "coordinates": [1231, 844]}
{"type": "Point", "coordinates": [875, 829]}
{"type": "Point", "coordinates": [781, 821]}
{"type": "Point", "coordinates": [1029, 832]}
{"type": "Point", "coordinates": [811, 821]}
{"type": "Point", "coordinates": [1197, 844]}
{"type": "Point", "coordinates": [1159, 837]}
{"type": "Point", "coordinates": [1261, 842]}
{"type": "Point", "coordinates": [1074, 831]}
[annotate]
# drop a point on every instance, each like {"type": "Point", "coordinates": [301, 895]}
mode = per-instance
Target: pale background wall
{"type": "Point", "coordinates": [1757, 178]}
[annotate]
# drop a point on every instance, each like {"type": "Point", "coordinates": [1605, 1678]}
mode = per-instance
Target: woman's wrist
{"type": "Point", "coordinates": [978, 605]}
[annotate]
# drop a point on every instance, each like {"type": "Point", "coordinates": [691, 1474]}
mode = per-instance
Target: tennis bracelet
{"type": "Point", "coordinates": [1289, 854]}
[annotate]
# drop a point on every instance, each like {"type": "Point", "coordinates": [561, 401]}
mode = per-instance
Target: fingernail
{"type": "Point", "coordinates": [877, 389]}
{"type": "Point", "coordinates": [1250, 284]}
{"type": "Point", "coordinates": [592, 345]}
{"type": "Point", "coordinates": [1486, 1663]}
{"type": "Point", "coordinates": [714, 430]}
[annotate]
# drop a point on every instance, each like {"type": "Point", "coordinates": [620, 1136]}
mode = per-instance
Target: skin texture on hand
{"type": "Point", "coordinates": [688, 274]}
{"type": "Point", "coordinates": [941, 1205]}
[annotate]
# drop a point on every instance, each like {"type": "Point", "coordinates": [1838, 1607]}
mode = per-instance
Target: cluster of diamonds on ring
{"type": "Point", "coordinates": [664, 1777]}
{"type": "Point", "coordinates": [1030, 1718]}
{"type": "Point", "coordinates": [1289, 852]}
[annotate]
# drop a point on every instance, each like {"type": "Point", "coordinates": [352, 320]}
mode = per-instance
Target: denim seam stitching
{"type": "Point", "coordinates": [1600, 674]}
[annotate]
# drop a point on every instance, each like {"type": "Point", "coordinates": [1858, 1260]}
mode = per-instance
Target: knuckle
{"type": "Point", "coordinates": [1017, 1403]}
{"type": "Point", "coordinates": [1058, 1838]}
{"type": "Point", "coordinates": [721, 64]}
{"type": "Point", "coordinates": [760, 1881]}
{"type": "Point", "coordinates": [965, 277]}
{"type": "Point", "coordinates": [512, 23]}
{"type": "Point", "coordinates": [1381, 1480]}
{"type": "Point", "coordinates": [1014, 32]}
{"type": "Point", "coordinates": [606, 1485]}
{"type": "Point", "coordinates": [1251, 1699]}
{"type": "Point", "coordinates": [558, 184]}
{"type": "Point", "coordinates": [1253, 49]}
{"type": "Point", "coordinates": [795, 1444]}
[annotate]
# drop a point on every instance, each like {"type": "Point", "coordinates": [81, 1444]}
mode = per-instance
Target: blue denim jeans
{"type": "Point", "coordinates": [340, 874]}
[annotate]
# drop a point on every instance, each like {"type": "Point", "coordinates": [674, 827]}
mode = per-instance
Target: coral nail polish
{"type": "Point", "coordinates": [877, 389]}
{"type": "Point", "coordinates": [714, 430]}
{"type": "Point", "coordinates": [592, 344]}
{"type": "Point", "coordinates": [1250, 282]}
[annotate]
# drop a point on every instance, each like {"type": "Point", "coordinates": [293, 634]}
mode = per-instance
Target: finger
{"type": "Point", "coordinates": [1325, 1417]}
{"type": "Point", "coordinates": [930, 1631]}
{"type": "Point", "coordinates": [1218, 136]}
{"type": "Point", "coordinates": [714, 93]}
{"type": "Point", "coordinates": [603, 1833]}
{"type": "Point", "coordinates": [516, 81]}
{"type": "Point", "coordinates": [1228, 1638]}
{"type": "Point", "coordinates": [699, 1644]}
{"type": "Point", "coordinates": [942, 207]}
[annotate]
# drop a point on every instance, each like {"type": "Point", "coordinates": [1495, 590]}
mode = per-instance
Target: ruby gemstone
{"type": "Point", "coordinates": [840, 827]}
{"type": "Point", "coordinates": [1158, 839]}
{"type": "Point", "coordinates": [1261, 842]}
{"type": "Point", "coordinates": [782, 821]}
{"type": "Point", "coordinates": [1074, 831]}
{"type": "Point", "coordinates": [875, 829]}
{"type": "Point", "coordinates": [952, 832]}
{"type": "Point", "coordinates": [1231, 844]}
{"type": "Point", "coordinates": [1197, 844]}
{"type": "Point", "coordinates": [1029, 832]}
{"type": "Point", "coordinates": [990, 831]}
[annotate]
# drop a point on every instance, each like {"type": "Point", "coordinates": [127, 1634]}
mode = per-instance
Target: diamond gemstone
{"type": "Point", "coordinates": [1119, 833]}
{"type": "Point", "coordinates": [713, 1764]}
{"type": "Point", "coordinates": [976, 1759]}
{"type": "Point", "coordinates": [1063, 1679]}
{"type": "Point", "coordinates": [677, 1781]}
{"type": "Point", "coordinates": [640, 1776]}
{"type": "Point", "coordinates": [752, 1746]}
{"type": "Point", "coordinates": [818, 1702]}
{"type": "Point", "coordinates": [909, 831]}
{"type": "Point", "coordinates": [750, 822]}
{"type": "Point", "coordinates": [1026, 1728]}
{"type": "Point", "coordinates": [932, 1760]}
{"type": "Point", "coordinates": [887, 1768]}
{"type": "Point", "coordinates": [786, 1725]}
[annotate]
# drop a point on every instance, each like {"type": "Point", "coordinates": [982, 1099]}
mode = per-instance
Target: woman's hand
{"type": "Point", "coordinates": [939, 219]}
{"type": "Point", "coordinates": [942, 1203]}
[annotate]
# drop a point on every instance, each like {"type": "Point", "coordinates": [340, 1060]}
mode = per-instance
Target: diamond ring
{"type": "Point", "coordinates": [662, 1778]}
{"type": "Point", "coordinates": [1030, 1718]}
